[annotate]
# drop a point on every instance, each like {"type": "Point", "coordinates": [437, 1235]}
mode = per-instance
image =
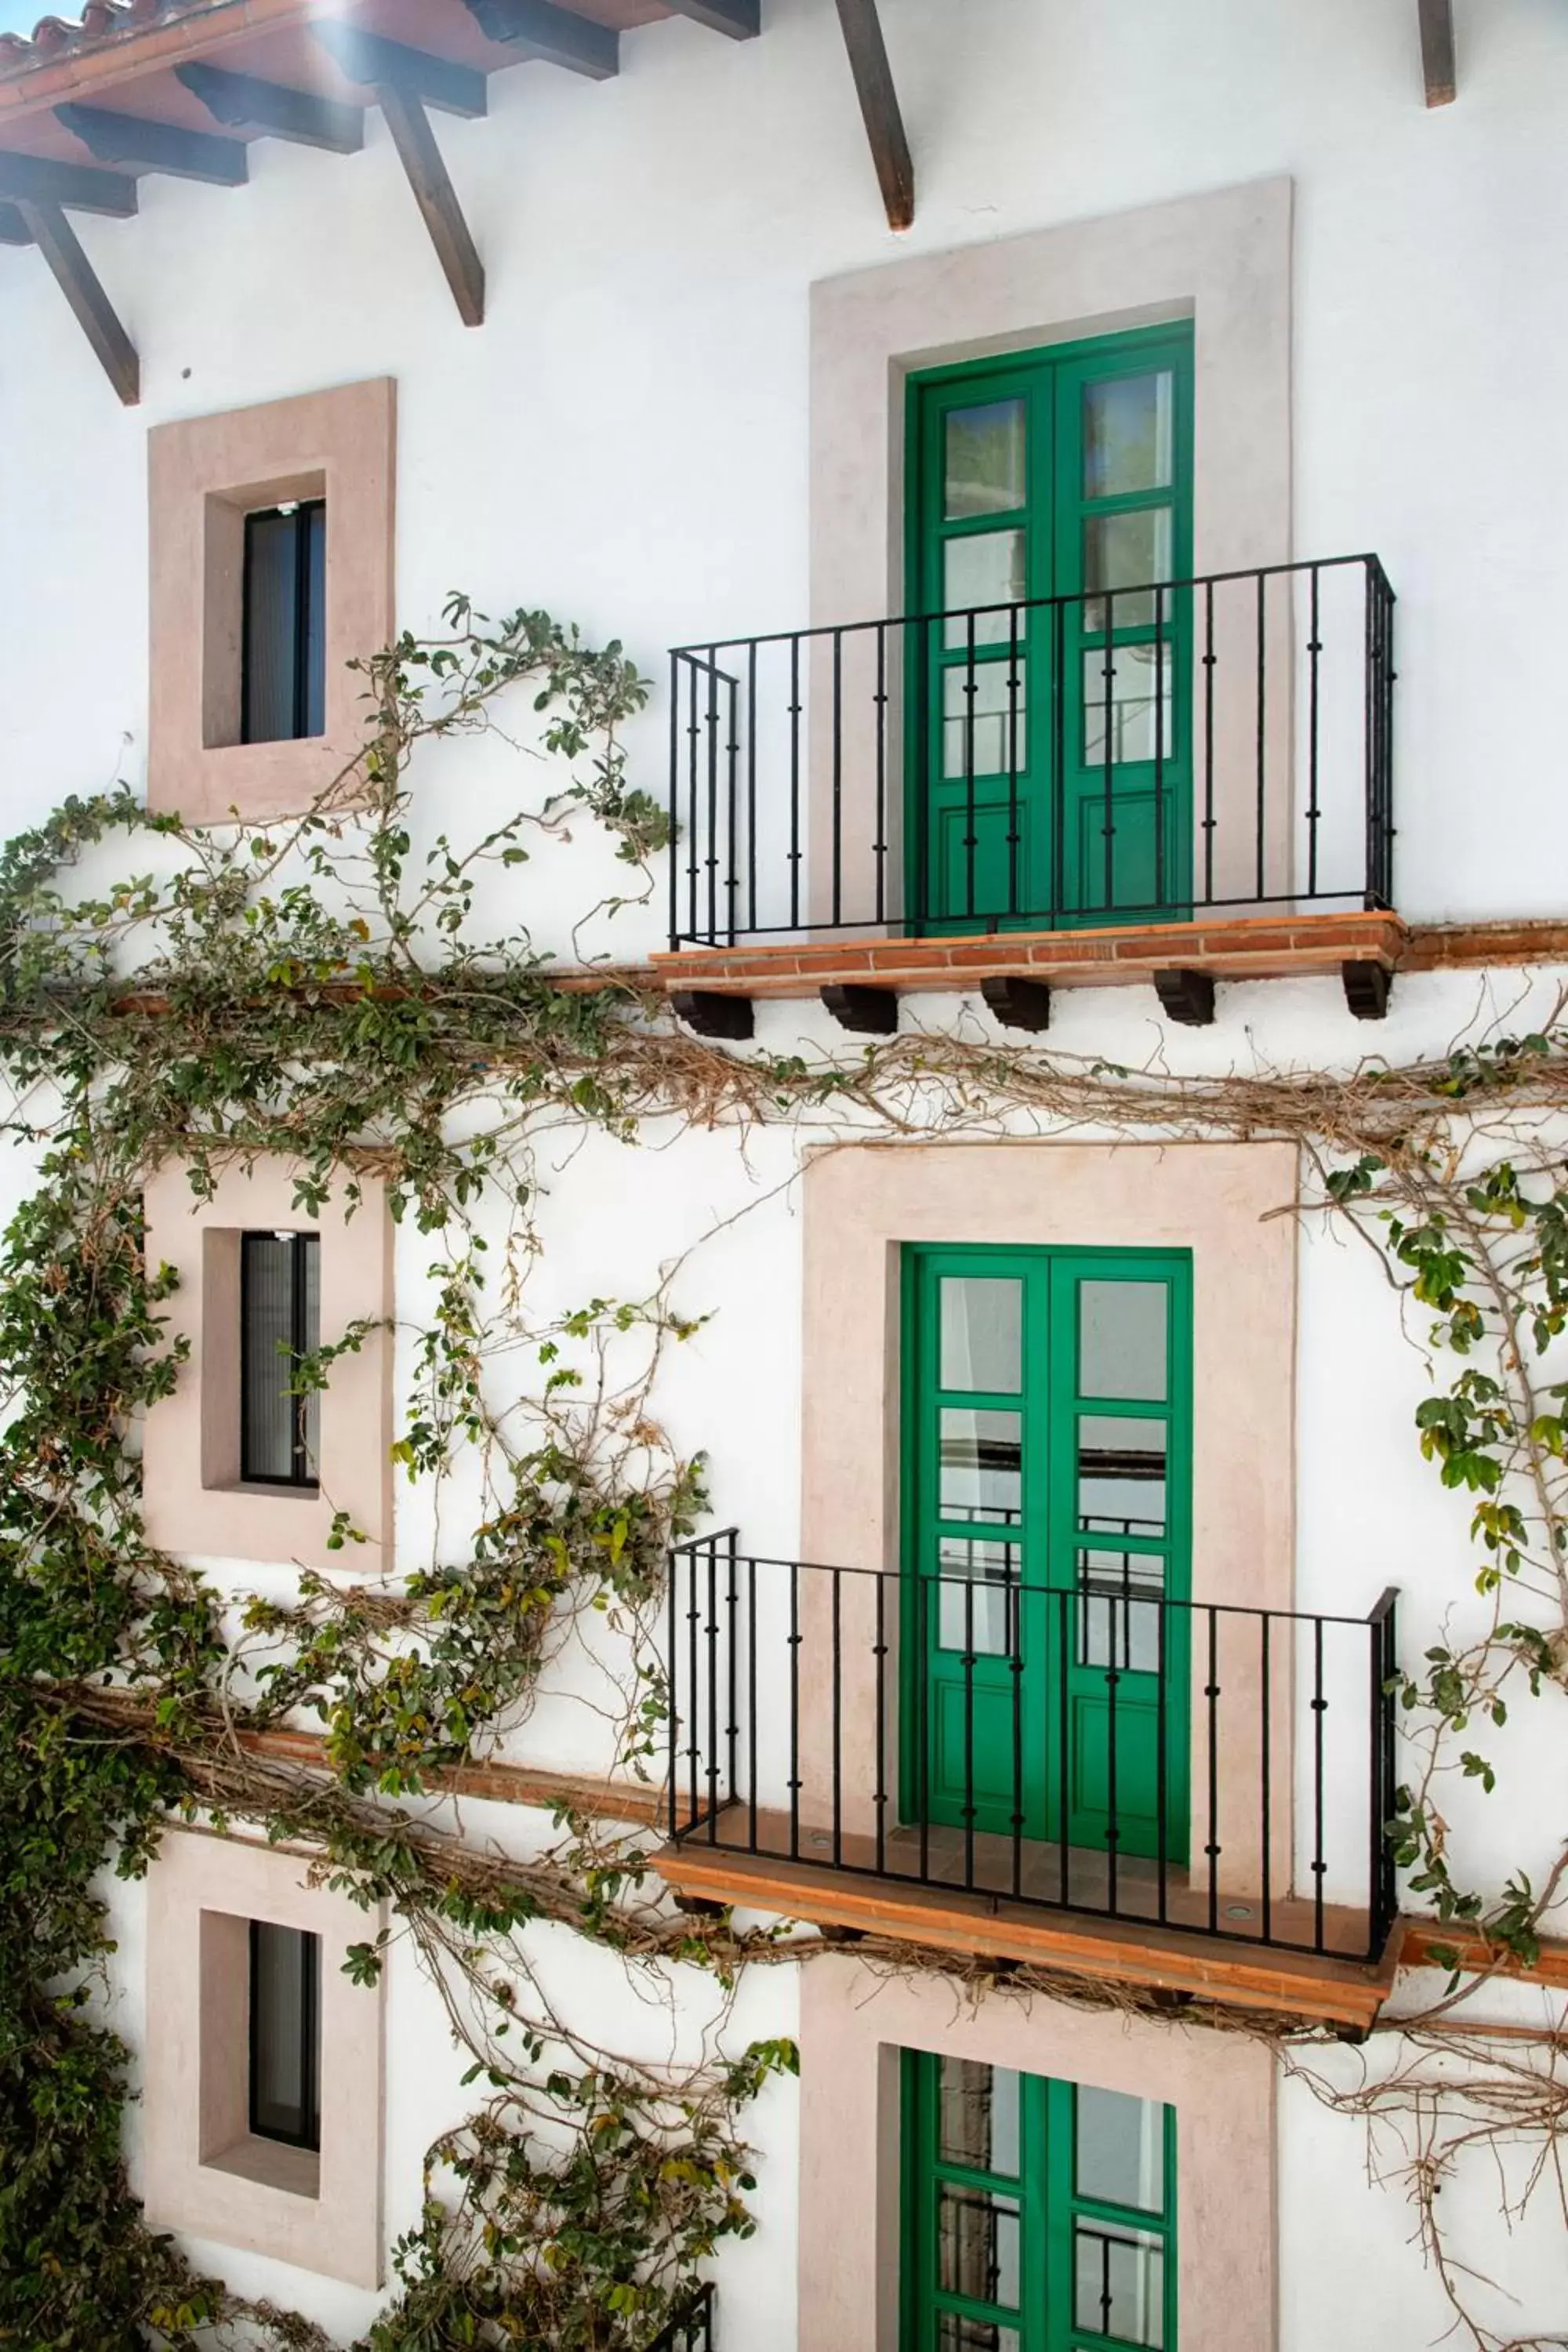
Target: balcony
{"type": "Point", "coordinates": [1092, 1777]}
{"type": "Point", "coordinates": [1192, 779]}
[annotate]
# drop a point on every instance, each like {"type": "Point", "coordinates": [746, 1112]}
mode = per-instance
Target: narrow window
{"type": "Point", "coordinates": [280, 1321]}
{"type": "Point", "coordinates": [283, 683]}
{"type": "Point", "coordinates": [285, 2034]}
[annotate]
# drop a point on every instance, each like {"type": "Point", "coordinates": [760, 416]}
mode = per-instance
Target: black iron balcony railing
{"type": "Point", "coordinates": [691, 2327]}
{"type": "Point", "coordinates": [1095, 1749]}
{"type": "Point", "coordinates": [1139, 754]}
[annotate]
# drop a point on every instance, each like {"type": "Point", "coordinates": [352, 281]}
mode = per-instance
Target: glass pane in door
{"type": "Point", "coordinates": [1128, 435]}
{"type": "Point", "coordinates": [985, 463]}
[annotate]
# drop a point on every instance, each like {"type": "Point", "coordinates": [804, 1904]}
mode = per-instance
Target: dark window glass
{"type": "Point", "coordinates": [280, 1321]}
{"type": "Point", "coordinates": [285, 2034]}
{"type": "Point", "coordinates": [283, 684]}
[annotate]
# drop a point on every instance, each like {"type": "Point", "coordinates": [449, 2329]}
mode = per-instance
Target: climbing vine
{"type": "Point", "coordinates": [322, 989]}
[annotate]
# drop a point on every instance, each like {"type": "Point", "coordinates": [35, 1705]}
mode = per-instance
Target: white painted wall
{"type": "Point", "coordinates": [626, 442]}
{"type": "Point", "coordinates": [626, 438]}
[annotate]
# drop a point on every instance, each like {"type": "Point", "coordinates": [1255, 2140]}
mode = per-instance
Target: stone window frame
{"type": "Point", "coordinates": [1221, 1201]}
{"type": "Point", "coordinates": [204, 2171]}
{"type": "Point", "coordinates": [854, 2023]}
{"type": "Point", "coordinates": [203, 475]}
{"type": "Point", "coordinates": [1222, 259]}
{"type": "Point", "coordinates": [195, 1501]}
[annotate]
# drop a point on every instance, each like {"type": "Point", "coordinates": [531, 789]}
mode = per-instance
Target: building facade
{"type": "Point", "coordinates": [1073, 480]}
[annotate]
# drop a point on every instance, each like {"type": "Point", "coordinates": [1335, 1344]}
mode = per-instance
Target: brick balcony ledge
{"type": "Point", "coordinates": [1363, 950]}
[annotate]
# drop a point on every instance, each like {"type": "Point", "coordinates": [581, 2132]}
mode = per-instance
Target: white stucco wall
{"type": "Point", "coordinates": [626, 438]}
{"type": "Point", "coordinates": [626, 442]}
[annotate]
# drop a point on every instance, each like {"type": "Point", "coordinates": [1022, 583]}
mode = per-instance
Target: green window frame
{"type": "Point", "coordinates": [1019, 2233]}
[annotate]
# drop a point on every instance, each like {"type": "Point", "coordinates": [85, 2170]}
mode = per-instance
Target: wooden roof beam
{"type": "Point", "coordinates": [436, 199]}
{"type": "Point", "coordinates": [880, 106]}
{"type": "Point", "coordinates": [14, 229]}
{"type": "Point", "coordinates": [1438, 51]}
{"type": "Point", "coordinates": [742, 20]}
{"type": "Point", "coordinates": [405, 81]}
{"type": "Point", "coordinates": [49, 230]}
{"type": "Point", "coordinates": [132, 140]}
{"type": "Point", "coordinates": [35, 179]}
{"type": "Point", "coordinates": [554, 36]}
{"type": "Point", "coordinates": [247, 102]}
{"type": "Point", "coordinates": [377, 64]}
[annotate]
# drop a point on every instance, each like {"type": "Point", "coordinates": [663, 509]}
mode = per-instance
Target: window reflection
{"type": "Point", "coordinates": [977, 2245]}
{"type": "Point", "coordinates": [954, 2333]}
{"type": "Point", "coordinates": [982, 1334]}
{"type": "Point", "coordinates": [1125, 687]}
{"type": "Point", "coordinates": [982, 1466]}
{"type": "Point", "coordinates": [1121, 1475]}
{"type": "Point", "coordinates": [1119, 2155]}
{"type": "Point", "coordinates": [983, 706]}
{"type": "Point", "coordinates": [1126, 550]}
{"type": "Point", "coordinates": [1128, 434]}
{"type": "Point", "coordinates": [1121, 1345]}
{"type": "Point", "coordinates": [979, 2115]}
{"type": "Point", "coordinates": [1119, 2283]}
{"type": "Point", "coordinates": [984, 460]}
{"type": "Point", "coordinates": [978, 1608]}
{"type": "Point", "coordinates": [1119, 1617]}
{"type": "Point", "coordinates": [983, 567]}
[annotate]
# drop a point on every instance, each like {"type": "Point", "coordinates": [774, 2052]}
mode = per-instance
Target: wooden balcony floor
{"type": "Point", "coordinates": [986, 1917]}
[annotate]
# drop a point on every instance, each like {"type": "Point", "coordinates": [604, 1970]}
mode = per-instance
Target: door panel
{"type": "Point", "coordinates": [1046, 1511]}
{"type": "Point", "coordinates": [1050, 729]}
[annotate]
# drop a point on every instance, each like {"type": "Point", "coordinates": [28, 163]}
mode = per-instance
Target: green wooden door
{"type": "Point", "coordinates": [1046, 1512]}
{"type": "Point", "coordinates": [1049, 715]}
{"type": "Point", "coordinates": [1037, 2216]}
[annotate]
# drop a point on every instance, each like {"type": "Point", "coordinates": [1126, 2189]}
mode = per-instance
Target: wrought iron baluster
{"type": "Point", "coordinates": [794, 711]}
{"type": "Point", "coordinates": [1208, 742]}
{"type": "Point", "coordinates": [881, 1653]}
{"type": "Point", "coordinates": [1210, 1694]}
{"type": "Point", "coordinates": [1160, 749]}
{"type": "Point", "coordinates": [711, 861]}
{"type": "Point", "coordinates": [1314, 653]}
{"type": "Point", "coordinates": [838, 777]}
{"type": "Point", "coordinates": [1108, 819]}
{"type": "Point", "coordinates": [1266, 1776]}
{"type": "Point", "coordinates": [1319, 1709]}
{"type": "Point", "coordinates": [751, 786]}
{"type": "Point", "coordinates": [969, 1806]}
{"type": "Point", "coordinates": [795, 1711]}
{"type": "Point", "coordinates": [1262, 725]}
{"type": "Point", "coordinates": [879, 845]}
{"type": "Point", "coordinates": [837, 1722]}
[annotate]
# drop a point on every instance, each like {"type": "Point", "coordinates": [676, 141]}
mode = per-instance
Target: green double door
{"type": "Point", "coordinates": [1046, 1492]}
{"type": "Point", "coordinates": [1037, 2216]}
{"type": "Point", "coordinates": [1048, 705]}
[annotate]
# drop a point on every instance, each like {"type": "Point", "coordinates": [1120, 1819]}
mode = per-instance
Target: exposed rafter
{"type": "Point", "coordinates": [1438, 51]}
{"type": "Point", "coordinates": [146, 146]}
{"type": "Point", "coordinates": [557, 36]}
{"type": "Point", "coordinates": [405, 81]}
{"type": "Point", "coordinates": [34, 179]}
{"type": "Point", "coordinates": [14, 229]}
{"type": "Point", "coordinates": [375, 64]}
{"type": "Point", "coordinates": [742, 20]}
{"type": "Point", "coordinates": [436, 199]}
{"type": "Point", "coordinates": [879, 106]}
{"type": "Point", "coordinates": [247, 102]}
{"type": "Point", "coordinates": [49, 230]}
